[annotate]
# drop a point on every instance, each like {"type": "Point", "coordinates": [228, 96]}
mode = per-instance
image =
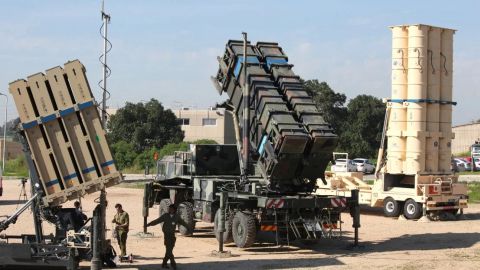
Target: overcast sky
{"type": "Point", "coordinates": [167, 49]}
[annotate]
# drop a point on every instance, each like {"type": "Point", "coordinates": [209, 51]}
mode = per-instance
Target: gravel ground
{"type": "Point", "coordinates": [386, 243]}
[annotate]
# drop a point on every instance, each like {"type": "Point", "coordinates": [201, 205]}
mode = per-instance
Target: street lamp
{"type": "Point", "coordinates": [4, 133]}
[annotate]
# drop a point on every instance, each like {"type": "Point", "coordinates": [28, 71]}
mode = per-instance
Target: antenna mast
{"type": "Point", "coordinates": [107, 46]}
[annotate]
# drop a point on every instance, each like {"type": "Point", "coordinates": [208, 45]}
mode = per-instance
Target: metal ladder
{"type": "Point", "coordinates": [282, 234]}
{"type": "Point", "coordinates": [330, 229]}
{"type": "Point", "coordinates": [445, 185]}
{"type": "Point", "coordinates": [301, 230]}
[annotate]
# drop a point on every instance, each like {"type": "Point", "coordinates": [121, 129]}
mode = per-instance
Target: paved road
{"type": "Point", "coordinates": [137, 177]}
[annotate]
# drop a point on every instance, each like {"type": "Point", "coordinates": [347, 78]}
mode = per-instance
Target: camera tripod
{"type": "Point", "coordinates": [23, 192]}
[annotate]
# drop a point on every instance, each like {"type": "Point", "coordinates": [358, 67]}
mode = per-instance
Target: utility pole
{"type": "Point", "coordinates": [4, 135]}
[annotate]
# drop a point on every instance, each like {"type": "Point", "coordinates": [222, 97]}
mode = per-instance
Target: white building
{"type": "Point", "coordinates": [465, 136]}
{"type": "Point", "coordinates": [214, 124]}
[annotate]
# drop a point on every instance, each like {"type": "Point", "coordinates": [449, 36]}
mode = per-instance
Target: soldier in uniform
{"type": "Point", "coordinates": [170, 220]}
{"type": "Point", "coordinates": [121, 221]}
{"type": "Point", "coordinates": [79, 216]}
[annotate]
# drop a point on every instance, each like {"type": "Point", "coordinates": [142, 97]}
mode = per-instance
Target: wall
{"type": "Point", "coordinates": [214, 124]}
{"type": "Point", "coordinates": [465, 136]}
{"type": "Point", "coordinates": [14, 149]}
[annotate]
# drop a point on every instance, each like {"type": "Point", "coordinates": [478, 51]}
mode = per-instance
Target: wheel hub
{"type": "Point", "coordinates": [390, 207]}
{"type": "Point", "coordinates": [411, 209]}
{"type": "Point", "coordinates": [240, 230]}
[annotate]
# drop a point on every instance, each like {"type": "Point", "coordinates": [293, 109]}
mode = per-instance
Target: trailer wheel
{"type": "Point", "coordinates": [185, 212]}
{"type": "Point", "coordinates": [244, 230]}
{"type": "Point", "coordinates": [391, 208]}
{"type": "Point", "coordinates": [227, 235]}
{"type": "Point", "coordinates": [412, 209]}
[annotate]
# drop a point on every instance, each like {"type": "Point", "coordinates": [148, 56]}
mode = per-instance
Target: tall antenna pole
{"type": "Point", "coordinates": [98, 219]}
{"type": "Point", "coordinates": [106, 21]}
{"type": "Point", "coordinates": [246, 108]}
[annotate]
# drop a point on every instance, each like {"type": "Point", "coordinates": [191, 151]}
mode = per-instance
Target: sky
{"type": "Point", "coordinates": [167, 49]}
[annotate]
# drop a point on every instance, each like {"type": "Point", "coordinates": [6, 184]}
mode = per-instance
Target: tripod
{"type": "Point", "coordinates": [23, 191]}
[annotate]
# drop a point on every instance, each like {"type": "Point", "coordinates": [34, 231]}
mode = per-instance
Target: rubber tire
{"type": "Point", "coordinates": [244, 230]}
{"type": "Point", "coordinates": [395, 212]}
{"type": "Point", "coordinates": [164, 204]}
{"type": "Point", "coordinates": [185, 212]}
{"type": "Point", "coordinates": [417, 211]}
{"type": "Point", "coordinates": [227, 235]}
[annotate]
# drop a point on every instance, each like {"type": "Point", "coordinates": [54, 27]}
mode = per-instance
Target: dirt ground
{"type": "Point", "coordinates": [386, 243]}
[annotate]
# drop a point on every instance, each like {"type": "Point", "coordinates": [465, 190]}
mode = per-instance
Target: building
{"type": "Point", "coordinates": [213, 124]}
{"type": "Point", "coordinates": [14, 149]}
{"type": "Point", "coordinates": [465, 136]}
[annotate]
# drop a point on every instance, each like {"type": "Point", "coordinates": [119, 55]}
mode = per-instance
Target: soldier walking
{"type": "Point", "coordinates": [121, 221]}
{"type": "Point", "coordinates": [170, 221]}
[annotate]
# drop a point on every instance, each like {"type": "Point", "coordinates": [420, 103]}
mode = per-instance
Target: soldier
{"type": "Point", "coordinates": [170, 221]}
{"type": "Point", "coordinates": [121, 221]}
{"type": "Point", "coordinates": [80, 217]}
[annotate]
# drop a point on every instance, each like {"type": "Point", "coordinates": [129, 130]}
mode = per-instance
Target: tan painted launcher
{"type": "Point", "coordinates": [82, 94]}
{"type": "Point", "coordinates": [39, 145]}
{"type": "Point", "coordinates": [420, 127]}
{"type": "Point", "coordinates": [60, 120]}
{"type": "Point", "coordinates": [73, 122]}
{"type": "Point", "coordinates": [54, 130]}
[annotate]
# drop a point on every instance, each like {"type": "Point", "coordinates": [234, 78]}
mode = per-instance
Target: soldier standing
{"type": "Point", "coordinates": [170, 221]}
{"type": "Point", "coordinates": [121, 221]}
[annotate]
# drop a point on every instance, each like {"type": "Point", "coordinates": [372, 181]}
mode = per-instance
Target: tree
{"type": "Point", "coordinates": [330, 103]}
{"type": "Point", "coordinates": [144, 125]}
{"type": "Point", "coordinates": [124, 154]}
{"type": "Point", "coordinates": [362, 130]}
{"type": "Point", "coordinates": [146, 157]}
{"type": "Point", "coordinates": [12, 129]}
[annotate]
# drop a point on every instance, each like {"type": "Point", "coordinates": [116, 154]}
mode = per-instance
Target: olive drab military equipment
{"type": "Point", "coordinates": [267, 178]}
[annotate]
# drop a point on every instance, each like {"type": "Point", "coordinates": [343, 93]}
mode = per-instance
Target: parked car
{"type": "Point", "coordinates": [462, 165]}
{"type": "Point", "coordinates": [477, 163]}
{"type": "Point", "coordinates": [364, 165]}
{"type": "Point", "coordinates": [344, 165]}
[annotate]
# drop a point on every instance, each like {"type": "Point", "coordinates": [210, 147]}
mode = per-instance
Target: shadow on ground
{"type": "Point", "coordinates": [333, 248]}
{"type": "Point", "coordinates": [472, 216]}
{"type": "Point", "coordinates": [407, 242]}
{"type": "Point", "coordinates": [253, 264]}
{"type": "Point", "coordinates": [12, 202]}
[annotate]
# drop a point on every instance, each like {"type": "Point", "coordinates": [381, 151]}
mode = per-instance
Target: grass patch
{"type": "Point", "coordinates": [133, 170]}
{"type": "Point", "coordinates": [463, 154]}
{"type": "Point", "coordinates": [16, 167]}
{"type": "Point", "coordinates": [469, 173]}
{"type": "Point", "coordinates": [135, 185]}
{"type": "Point", "coordinates": [474, 192]}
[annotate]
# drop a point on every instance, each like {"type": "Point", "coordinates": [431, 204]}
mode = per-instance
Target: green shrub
{"type": "Point", "coordinates": [124, 154]}
{"type": "Point", "coordinates": [474, 192]}
{"type": "Point", "coordinates": [205, 141]}
{"type": "Point", "coordinates": [145, 158]}
{"type": "Point", "coordinates": [16, 167]}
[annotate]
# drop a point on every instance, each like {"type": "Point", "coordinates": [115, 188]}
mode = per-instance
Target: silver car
{"type": "Point", "coordinates": [344, 165]}
{"type": "Point", "coordinates": [364, 165]}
